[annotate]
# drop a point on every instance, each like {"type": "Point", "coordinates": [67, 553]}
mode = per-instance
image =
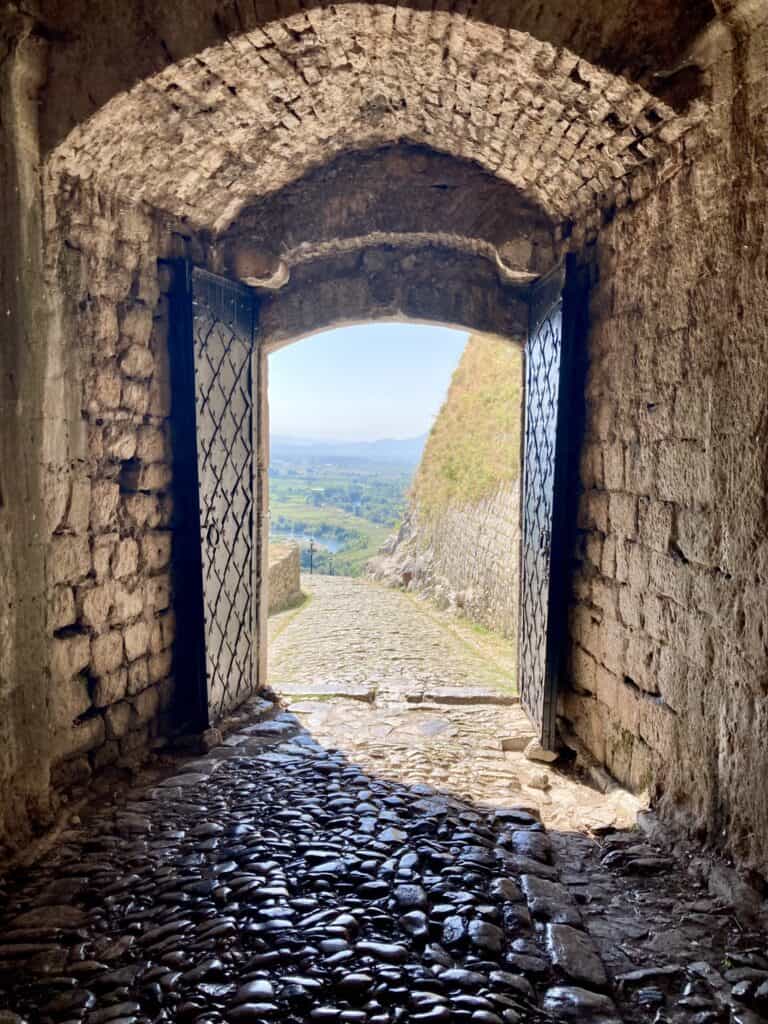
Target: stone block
{"type": "Point", "coordinates": [683, 474]}
{"type": "Point", "coordinates": [639, 468]}
{"type": "Point", "coordinates": [583, 669]}
{"type": "Point", "coordinates": [137, 362]}
{"type": "Point", "coordinates": [127, 604]}
{"type": "Point", "coordinates": [106, 653]}
{"type": "Point", "coordinates": [95, 604]}
{"type": "Point", "coordinates": [641, 662]}
{"type": "Point", "coordinates": [142, 509]}
{"type": "Point", "coordinates": [80, 737]}
{"type": "Point", "coordinates": [104, 326]}
{"type": "Point", "coordinates": [654, 616]}
{"type": "Point", "coordinates": [655, 524]}
{"type": "Point", "coordinates": [136, 397]}
{"type": "Point", "coordinates": [62, 610]}
{"type": "Point", "coordinates": [628, 709]}
{"type": "Point", "coordinates": [167, 624]}
{"type": "Point", "coordinates": [613, 466]}
{"type": "Point", "coordinates": [78, 511]}
{"type": "Point", "coordinates": [160, 665]}
{"type": "Point", "coordinates": [151, 446]}
{"type": "Point", "coordinates": [622, 511]}
{"type": "Point", "coordinates": [586, 629]}
{"type": "Point", "coordinates": [156, 550]}
{"type": "Point", "coordinates": [110, 688]}
{"type": "Point", "coordinates": [630, 607]}
{"type": "Point", "coordinates": [147, 704]}
{"type": "Point", "coordinates": [105, 390]}
{"type": "Point", "coordinates": [698, 536]}
{"type": "Point", "coordinates": [136, 638]}
{"type": "Point", "coordinates": [160, 385]}
{"type": "Point", "coordinates": [638, 563]}
{"type": "Point", "coordinates": [55, 499]}
{"type": "Point", "coordinates": [69, 656]}
{"type": "Point", "coordinates": [138, 675]}
{"type": "Point", "coordinates": [158, 593]}
{"type": "Point", "coordinates": [604, 596]}
{"type": "Point", "coordinates": [606, 686]}
{"type": "Point", "coordinates": [135, 325]}
{"type": "Point", "coordinates": [593, 511]}
{"type": "Point", "coordinates": [70, 559]}
{"type": "Point", "coordinates": [118, 719]}
{"type": "Point", "coordinates": [139, 476]}
{"type": "Point", "coordinates": [670, 577]}
{"type": "Point", "coordinates": [119, 441]}
{"type": "Point", "coordinates": [125, 561]}
{"type": "Point", "coordinates": [622, 550]}
{"type": "Point", "coordinates": [693, 411]}
{"type": "Point", "coordinates": [156, 476]}
{"type": "Point", "coordinates": [103, 548]}
{"type": "Point", "coordinates": [68, 700]}
{"type": "Point", "coordinates": [105, 497]}
{"type": "Point", "coordinates": [614, 643]}
{"type": "Point", "coordinates": [607, 564]}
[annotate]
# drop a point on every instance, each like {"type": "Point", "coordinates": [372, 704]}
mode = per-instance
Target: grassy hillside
{"type": "Point", "coordinates": [474, 444]}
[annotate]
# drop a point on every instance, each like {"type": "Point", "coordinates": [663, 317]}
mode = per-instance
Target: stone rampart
{"type": "Point", "coordinates": [284, 576]}
{"type": "Point", "coordinates": [465, 558]}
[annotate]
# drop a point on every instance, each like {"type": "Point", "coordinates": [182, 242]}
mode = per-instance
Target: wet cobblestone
{"type": "Point", "coordinates": [285, 877]}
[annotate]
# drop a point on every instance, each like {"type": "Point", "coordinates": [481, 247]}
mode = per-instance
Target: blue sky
{"type": "Point", "coordinates": [363, 383]}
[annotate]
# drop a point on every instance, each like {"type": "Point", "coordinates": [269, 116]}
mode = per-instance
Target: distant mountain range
{"type": "Point", "coordinates": [406, 451]}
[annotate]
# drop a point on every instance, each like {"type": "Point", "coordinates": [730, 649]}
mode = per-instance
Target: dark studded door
{"type": "Point", "coordinates": [218, 485]}
{"type": "Point", "coordinates": [544, 537]}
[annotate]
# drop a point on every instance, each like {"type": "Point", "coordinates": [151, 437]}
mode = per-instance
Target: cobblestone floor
{"type": "Point", "coordinates": [279, 878]}
{"type": "Point", "coordinates": [420, 697]}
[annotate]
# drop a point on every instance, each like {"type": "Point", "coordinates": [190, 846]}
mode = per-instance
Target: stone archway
{"type": "Point", "coordinates": [210, 139]}
{"type": "Point", "coordinates": [633, 126]}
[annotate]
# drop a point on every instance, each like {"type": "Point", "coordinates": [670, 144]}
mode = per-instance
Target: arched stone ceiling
{"type": "Point", "coordinates": [206, 136]}
{"type": "Point", "coordinates": [104, 48]}
{"type": "Point", "coordinates": [404, 194]}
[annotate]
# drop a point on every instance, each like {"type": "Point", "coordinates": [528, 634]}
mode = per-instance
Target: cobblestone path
{"type": "Point", "coordinates": [282, 877]}
{"type": "Point", "coordinates": [418, 697]}
{"type": "Point", "coordinates": [352, 630]}
{"type": "Point", "coordinates": [274, 880]}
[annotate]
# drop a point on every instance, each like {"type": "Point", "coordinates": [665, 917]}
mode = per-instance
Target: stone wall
{"type": "Point", "coordinates": [670, 622]}
{"type": "Point", "coordinates": [107, 494]}
{"type": "Point", "coordinates": [466, 558]}
{"type": "Point", "coordinates": [284, 576]}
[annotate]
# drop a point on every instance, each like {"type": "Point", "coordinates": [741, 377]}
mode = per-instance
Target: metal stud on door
{"type": "Point", "coordinates": [544, 536]}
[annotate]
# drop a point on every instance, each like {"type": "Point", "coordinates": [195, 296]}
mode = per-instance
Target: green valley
{"type": "Point", "coordinates": [347, 498]}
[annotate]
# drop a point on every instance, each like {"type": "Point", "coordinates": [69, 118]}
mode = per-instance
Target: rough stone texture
{"type": "Point", "coordinates": [669, 658]}
{"type": "Point", "coordinates": [401, 192]}
{"type": "Point", "coordinates": [284, 576]}
{"type": "Point", "coordinates": [466, 558]}
{"type": "Point", "coordinates": [433, 283]}
{"type": "Point", "coordinates": [98, 599]}
{"type": "Point", "coordinates": [254, 114]}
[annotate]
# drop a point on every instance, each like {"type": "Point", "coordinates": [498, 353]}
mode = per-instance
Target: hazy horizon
{"type": "Point", "coordinates": [371, 382]}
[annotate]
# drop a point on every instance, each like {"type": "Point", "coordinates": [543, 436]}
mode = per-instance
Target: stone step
{"type": "Point", "coordinates": [462, 695]}
{"type": "Point", "coordinates": [327, 690]}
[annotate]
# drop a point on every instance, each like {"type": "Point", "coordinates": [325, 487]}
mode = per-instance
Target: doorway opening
{"type": "Point", "coordinates": [394, 546]}
{"type": "Point", "coordinates": [222, 455]}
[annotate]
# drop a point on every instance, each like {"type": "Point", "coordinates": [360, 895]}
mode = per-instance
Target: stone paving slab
{"type": "Point", "coordinates": [326, 690]}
